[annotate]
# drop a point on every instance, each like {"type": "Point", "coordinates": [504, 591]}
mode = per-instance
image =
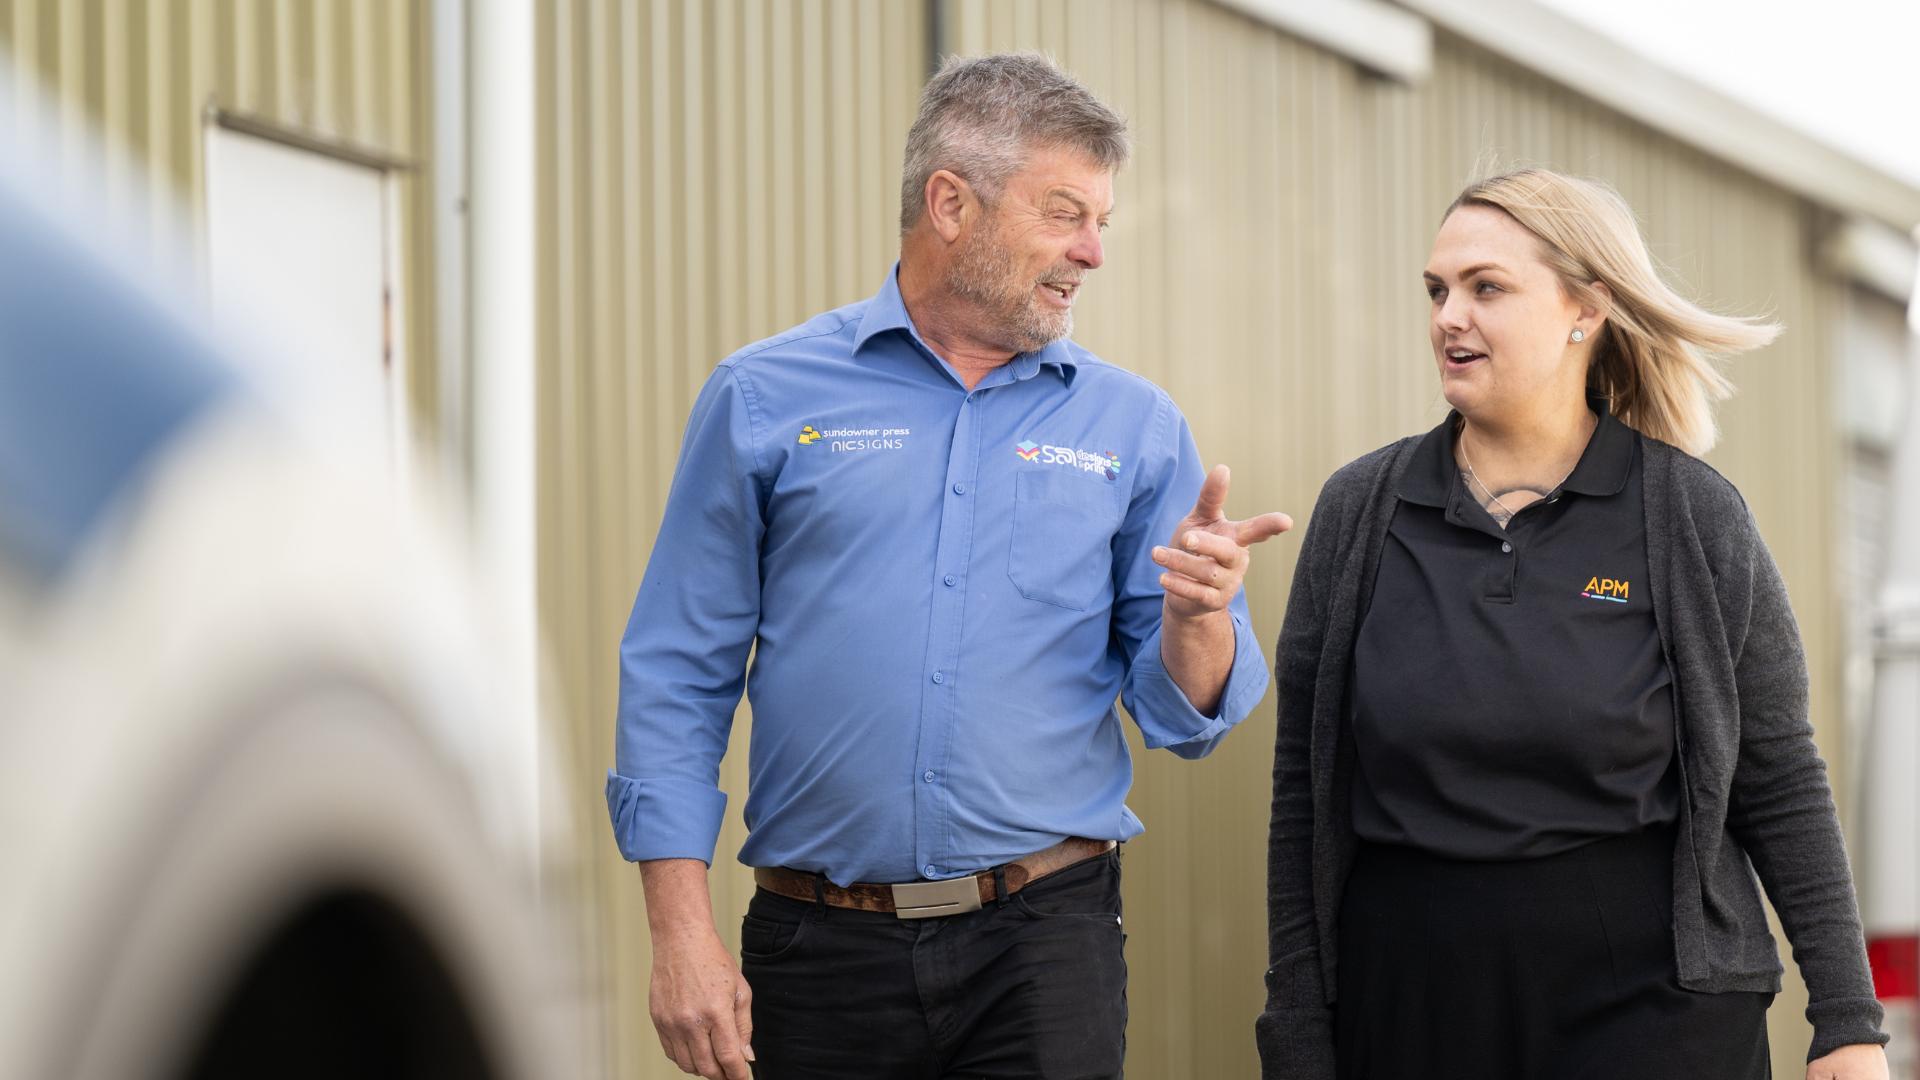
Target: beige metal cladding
{"type": "Point", "coordinates": [709, 174]}
{"type": "Point", "coordinates": [144, 72]}
{"type": "Point", "coordinates": [712, 173]}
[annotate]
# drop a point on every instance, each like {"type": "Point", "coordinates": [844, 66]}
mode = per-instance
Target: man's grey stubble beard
{"type": "Point", "coordinates": [984, 272]}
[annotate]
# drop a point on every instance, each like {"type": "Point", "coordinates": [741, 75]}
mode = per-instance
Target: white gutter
{"type": "Point", "coordinates": [504, 390]}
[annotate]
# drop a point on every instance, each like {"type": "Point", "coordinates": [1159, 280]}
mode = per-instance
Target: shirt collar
{"type": "Point", "coordinates": [1607, 461]}
{"type": "Point", "coordinates": [1603, 467]}
{"type": "Point", "coordinates": [887, 311]}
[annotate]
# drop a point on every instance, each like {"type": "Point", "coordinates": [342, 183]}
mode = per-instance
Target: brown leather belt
{"type": "Point", "coordinates": [930, 899]}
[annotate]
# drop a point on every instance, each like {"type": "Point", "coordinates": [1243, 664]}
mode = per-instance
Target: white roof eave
{"type": "Point", "coordinates": [1555, 47]}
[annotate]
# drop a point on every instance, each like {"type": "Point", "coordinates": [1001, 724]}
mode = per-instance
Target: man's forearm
{"type": "Point", "coordinates": [700, 1004]}
{"type": "Point", "coordinates": [678, 901]}
{"type": "Point", "coordinates": [1198, 656]}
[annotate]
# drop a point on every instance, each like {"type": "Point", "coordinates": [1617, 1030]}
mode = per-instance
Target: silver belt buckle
{"type": "Point", "coordinates": [932, 899]}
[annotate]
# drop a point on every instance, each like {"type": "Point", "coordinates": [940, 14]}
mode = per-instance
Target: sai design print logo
{"type": "Point", "coordinates": [1105, 462]}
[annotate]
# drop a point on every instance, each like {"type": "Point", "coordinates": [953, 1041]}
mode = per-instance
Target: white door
{"type": "Point", "coordinates": [301, 269]}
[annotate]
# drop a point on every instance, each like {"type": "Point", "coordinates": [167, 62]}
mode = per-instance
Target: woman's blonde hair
{"type": "Point", "coordinates": [1654, 361]}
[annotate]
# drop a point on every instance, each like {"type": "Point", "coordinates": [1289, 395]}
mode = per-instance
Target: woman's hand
{"type": "Point", "coordinates": [1862, 1061]}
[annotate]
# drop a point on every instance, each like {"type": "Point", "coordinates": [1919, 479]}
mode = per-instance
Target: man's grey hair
{"type": "Point", "coordinates": [981, 117]}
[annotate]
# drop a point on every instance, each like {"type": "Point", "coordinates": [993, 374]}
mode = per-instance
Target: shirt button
{"type": "Point", "coordinates": [1505, 546]}
{"type": "Point", "coordinates": [959, 489]}
{"type": "Point", "coordinates": [950, 580]}
{"type": "Point", "coordinates": [927, 870]}
{"type": "Point", "coordinates": [939, 677]}
{"type": "Point", "coordinates": [927, 776]}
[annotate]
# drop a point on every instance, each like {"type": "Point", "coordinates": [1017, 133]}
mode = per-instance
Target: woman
{"type": "Point", "coordinates": [1543, 704]}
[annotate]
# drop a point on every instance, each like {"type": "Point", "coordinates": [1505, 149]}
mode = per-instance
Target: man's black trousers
{"type": "Point", "coordinates": [1033, 986]}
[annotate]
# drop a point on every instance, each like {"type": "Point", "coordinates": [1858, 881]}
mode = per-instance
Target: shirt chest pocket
{"type": "Point", "coordinates": [1061, 552]}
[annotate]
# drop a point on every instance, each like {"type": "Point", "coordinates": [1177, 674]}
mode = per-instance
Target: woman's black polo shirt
{"type": "Point", "coordinates": [1510, 696]}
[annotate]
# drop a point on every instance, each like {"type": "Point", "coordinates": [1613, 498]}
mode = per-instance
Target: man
{"type": "Point", "coordinates": [935, 517]}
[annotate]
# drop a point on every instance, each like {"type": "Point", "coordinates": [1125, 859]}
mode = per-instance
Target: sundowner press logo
{"type": "Point", "coordinates": [1600, 588]}
{"type": "Point", "coordinates": [856, 440]}
{"type": "Point", "coordinates": [1104, 462]}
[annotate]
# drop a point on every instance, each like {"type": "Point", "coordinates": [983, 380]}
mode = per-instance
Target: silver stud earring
{"type": "Point", "coordinates": [1579, 335]}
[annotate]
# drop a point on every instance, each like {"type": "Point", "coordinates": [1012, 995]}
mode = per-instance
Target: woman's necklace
{"type": "Point", "coordinates": [1475, 477]}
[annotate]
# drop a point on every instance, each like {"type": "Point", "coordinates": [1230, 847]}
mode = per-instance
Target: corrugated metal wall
{"type": "Point", "coordinates": [710, 173]}
{"type": "Point", "coordinates": [716, 172]}
{"type": "Point", "coordinates": [142, 73]}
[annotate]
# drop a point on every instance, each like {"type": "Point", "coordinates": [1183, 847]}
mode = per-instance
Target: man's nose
{"type": "Point", "coordinates": [1087, 250]}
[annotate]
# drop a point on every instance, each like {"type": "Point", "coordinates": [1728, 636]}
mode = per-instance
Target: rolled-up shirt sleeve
{"type": "Point", "coordinates": [683, 655]}
{"type": "Point", "coordinates": [1165, 487]}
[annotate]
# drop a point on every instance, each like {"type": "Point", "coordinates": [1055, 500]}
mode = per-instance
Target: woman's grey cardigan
{"type": "Point", "coordinates": [1756, 790]}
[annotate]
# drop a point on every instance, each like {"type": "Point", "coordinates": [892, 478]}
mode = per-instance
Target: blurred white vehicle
{"type": "Point", "coordinates": [263, 813]}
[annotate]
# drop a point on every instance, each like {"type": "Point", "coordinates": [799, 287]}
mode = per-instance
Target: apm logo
{"type": "Point", "coordinates": [1600, 588]}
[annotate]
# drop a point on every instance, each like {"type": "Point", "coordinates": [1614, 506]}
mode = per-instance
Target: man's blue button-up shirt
{"type": "Point", "coordinates": [944, 590]}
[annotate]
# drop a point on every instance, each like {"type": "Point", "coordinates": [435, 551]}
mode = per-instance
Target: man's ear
{"type": "Point", "coordinates": [950, 204]}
